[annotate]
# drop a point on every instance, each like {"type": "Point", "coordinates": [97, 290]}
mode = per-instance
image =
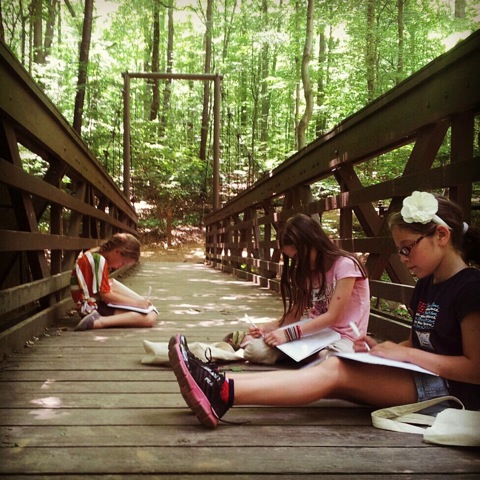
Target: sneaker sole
{"type": "Point", "coordinates": [191, 392]}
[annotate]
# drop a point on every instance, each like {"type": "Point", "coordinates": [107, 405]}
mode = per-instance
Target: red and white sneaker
{"type": "Point", "coordinates": [203, 387]}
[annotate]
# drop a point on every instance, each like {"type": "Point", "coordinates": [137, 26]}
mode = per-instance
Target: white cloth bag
{"type": "Point", "coordinates": [157, 352]}
{"type": "Point", "coordinates": [457, 427]}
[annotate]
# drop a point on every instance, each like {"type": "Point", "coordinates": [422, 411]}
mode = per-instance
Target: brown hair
{"type": "Point", "coordinates": [125, 242]}
{"type": "Point", "coordinates": [305, 234]}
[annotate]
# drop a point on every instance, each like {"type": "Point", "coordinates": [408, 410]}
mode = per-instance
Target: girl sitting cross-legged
{"type": "Point", "coordinates": [92, 289]}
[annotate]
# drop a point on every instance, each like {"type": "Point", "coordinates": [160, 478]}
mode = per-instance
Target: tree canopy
{"type": "Point", "coordinates": [291, 70]}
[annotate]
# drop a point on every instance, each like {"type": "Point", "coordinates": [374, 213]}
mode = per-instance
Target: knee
{"type": "Point", "coordinates": [341, 374]}
{"type": "Point", "coordinates": [335, 364]}
{"type": "Point", "coordinates": [151, 319]}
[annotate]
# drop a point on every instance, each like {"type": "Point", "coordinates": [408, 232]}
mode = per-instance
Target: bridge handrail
{"type": "Point", "coordinates": [442, 97]}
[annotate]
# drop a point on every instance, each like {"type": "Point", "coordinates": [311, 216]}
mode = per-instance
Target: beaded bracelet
{"type": "Point", "coordinates": [293, 333]}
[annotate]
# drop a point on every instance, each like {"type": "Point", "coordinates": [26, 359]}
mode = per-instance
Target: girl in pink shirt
{"type": "Point", "coordinates": [321, 282]}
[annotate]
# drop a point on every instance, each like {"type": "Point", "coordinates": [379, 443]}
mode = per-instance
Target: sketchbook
{"type": "Point", "coordinates": [374, 360]}
{"type": "Point", "coordinates": [149, 309]}
{"type": "Point", "coordinates": [308, 345]}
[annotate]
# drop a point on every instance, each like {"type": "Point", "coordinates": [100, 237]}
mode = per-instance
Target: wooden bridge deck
{"type": "Point", "coordinates": [81, 405]}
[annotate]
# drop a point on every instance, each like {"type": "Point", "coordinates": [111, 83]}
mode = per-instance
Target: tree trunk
{"type": "Point", "coordinates": [169, 226]}
{"type": "Point", "coordinates": [370, 51]}
{"type": "Point", "coordinates": [296, 112]}
{"type": "Point", "coordinates": [155, 61]}
{"type": "Point", "coordinates": [307, 84]}
{"type": "Point", "coordinates": [400, 27]}
{"type": "Point", "coordinates": [322, 66]}
{"type": "Point", "coordinates": [168, 83]}
{"type": "Point", "coordinates": [227, 26]}
{"type": "Point", "coordinates": [2, 31]}
{"type": "Point", "coordinates": [206, 87]}
{"type": "Point", "coordinates": [264, 93]}
{"type": "Point", "coordinates": [49, 31]}
{"type": "Point", "coordinates": [83, 66]}
{"type": "Point", "coordinates": [460, 6]}
{"type": "Point", "coordinates": [37, 25]}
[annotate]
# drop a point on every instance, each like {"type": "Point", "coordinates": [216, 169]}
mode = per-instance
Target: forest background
{"type": "Point", "coordinates": [292, 70]}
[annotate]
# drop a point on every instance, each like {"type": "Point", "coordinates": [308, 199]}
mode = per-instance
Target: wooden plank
{"type": "Point", "coordinates": [81, 405]}
{"type": "Point", "coordinates": [391, 291]}
{"type": "Point", "coordinates": [43, 399]}
{"type": "Point", "coordinates": [154, 374]}
{"type": "Point", "coordinates": [219, 459]}
{"type": "Point", "coordinates": [92, 400]}
{"type": "Point", "coordinates": [15, 337]}
{"type": "Point", "coordinates": [181, 416]}
{"type": "Point", "coordinates": [234, 476]}
{"type": "Point", "coordinates": [387, 328]}
{"type": "Point", "coordinates": [172, 436]}
{"type": "Point", "coordinates": [264, 476]}
{"type": "Point", "coordinates": [130, 362]}
{"type": "Point", "coordinates": [14, 241]}
{"type": "Point", "coordinates": [13, 298]}
{"type": "Point", "coordinates": [11, 391]}
{"type": "Point", "coordinates": [16, 177]}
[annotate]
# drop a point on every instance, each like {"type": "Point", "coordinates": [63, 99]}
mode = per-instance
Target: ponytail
{"type": "Point", "coordinates": [125, 242]}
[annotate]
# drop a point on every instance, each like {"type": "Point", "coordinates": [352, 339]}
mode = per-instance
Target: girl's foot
{"type": "Point", "coordinates": [206, 391]}
{"type": "Point", "coordinates": [86, 323]}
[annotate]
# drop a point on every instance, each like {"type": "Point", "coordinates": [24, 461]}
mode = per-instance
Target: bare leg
{"type": "Point", "coordinates": [334, 378]}
{"type": "Point", "coordinates": [125, 319]}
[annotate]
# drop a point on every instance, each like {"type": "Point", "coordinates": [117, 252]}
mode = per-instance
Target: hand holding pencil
{"type": "Point", "coordinates": [358, 335]}
{"type": "Point", "coordinates": [254, 331]}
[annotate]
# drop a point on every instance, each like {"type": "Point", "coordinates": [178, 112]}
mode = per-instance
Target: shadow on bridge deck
{"type": "Point", "coordinates": [82, 405]}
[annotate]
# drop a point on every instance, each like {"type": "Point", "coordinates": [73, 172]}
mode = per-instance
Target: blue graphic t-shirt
{"type": "Point", "coordinates": [438, 310]}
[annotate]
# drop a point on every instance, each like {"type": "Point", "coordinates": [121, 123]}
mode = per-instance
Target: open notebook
{"type": "Point", "coordinates": [374, 360]}
{"type": "Point", "coordinates": [308, 345]}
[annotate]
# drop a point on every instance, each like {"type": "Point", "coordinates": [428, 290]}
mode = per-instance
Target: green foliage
{"type": "Point", "coordinates": [251, 49]}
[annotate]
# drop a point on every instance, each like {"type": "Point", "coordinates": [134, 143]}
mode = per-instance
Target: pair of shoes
{"type": "Point", "coordinates": [86, 323]}
{"type": "Point", "coordinates": [235, 339]}
{"type": "Point", "coordinates": [201, 384]}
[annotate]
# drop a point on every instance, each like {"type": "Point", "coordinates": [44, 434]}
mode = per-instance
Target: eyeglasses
{"type": "Point", "coordinates": [407, 249]}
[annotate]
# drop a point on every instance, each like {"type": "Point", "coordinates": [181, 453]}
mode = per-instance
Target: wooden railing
{"type": "Point", "coordinates": [56, 199]}
{"type": "Point", "coordinates": [436, 107]}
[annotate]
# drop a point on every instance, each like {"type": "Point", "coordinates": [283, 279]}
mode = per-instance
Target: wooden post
{"type": "Point", "coordinates": [463, 132]}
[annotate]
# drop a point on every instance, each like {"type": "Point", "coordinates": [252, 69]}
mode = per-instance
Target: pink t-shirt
{"type": "Point", "coordinates": [358, 306]}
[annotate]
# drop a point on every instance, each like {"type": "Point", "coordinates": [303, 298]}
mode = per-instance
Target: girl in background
{"type": "Point", "coordinates": [437, 246]}
{"type": "Point", "coordinates": [92, 289]}
{"type": "Point", "coordinates": [320, 282]}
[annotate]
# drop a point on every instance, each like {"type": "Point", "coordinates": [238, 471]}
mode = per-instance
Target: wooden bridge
{"type": "Point", "coordinates": [71, 203]}
{"type": "Point", "coordinates": [78, 405]}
